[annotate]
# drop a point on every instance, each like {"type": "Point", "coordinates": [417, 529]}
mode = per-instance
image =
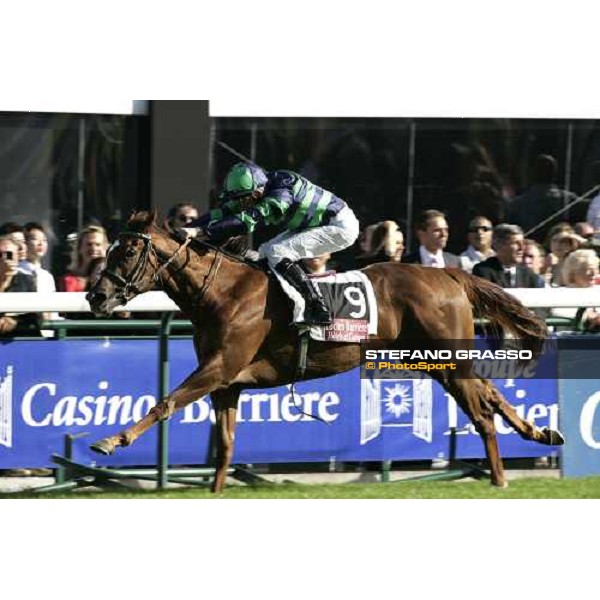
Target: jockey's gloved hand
{"type": "Point", "coordinates": [183, 233]}
{"type": "Point", "coordinates": [193, 231]}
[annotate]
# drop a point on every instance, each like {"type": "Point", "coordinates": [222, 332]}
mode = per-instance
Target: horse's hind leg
{"type": "Point", "coordinates": [469, 395]}
{"type": "Point", "coordinates": [225, 403]}
{"type": "Point", "coordinates": [525, 429]}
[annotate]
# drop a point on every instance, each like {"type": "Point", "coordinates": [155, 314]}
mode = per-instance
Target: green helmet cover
{"type": "Point", "coordinates": [243, 179]}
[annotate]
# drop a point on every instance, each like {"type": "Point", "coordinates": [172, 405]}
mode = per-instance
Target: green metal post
{"type": "Point", "coordinates": [163, 390]}
{"type": "Point", "coordinates": [386, 467]}
{"type": "Point", "coordinates": [61, 472]}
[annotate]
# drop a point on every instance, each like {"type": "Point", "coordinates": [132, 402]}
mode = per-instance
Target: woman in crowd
{"type": "Point", "coordinates": [89, 260]}
{"type": "Point", "coordinates": [92, 243]}
{"type": "Point", "coordinates": [561, 245]}
{"type": "Point", "coordinates": [580, 270]}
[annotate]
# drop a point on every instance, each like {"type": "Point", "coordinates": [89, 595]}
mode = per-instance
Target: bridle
{"type": "Point", "coordinates": [129, 287]}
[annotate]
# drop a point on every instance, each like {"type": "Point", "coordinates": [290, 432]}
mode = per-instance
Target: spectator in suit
{"type": "Point", "coordinates": [506, 268]}
{"type": "Point", "coordinates": [480, 243]}
{"type": "Point", "coordinates": [432, 231]}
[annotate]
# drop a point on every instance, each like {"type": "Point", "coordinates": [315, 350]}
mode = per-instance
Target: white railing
{"type": "Point", "coordinates": [159, 301]}
{"type": "Point", "coordinates": [76, 302]}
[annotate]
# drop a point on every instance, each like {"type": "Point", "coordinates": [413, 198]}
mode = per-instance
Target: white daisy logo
{"type": "Point", "coordinates": [398, 400]}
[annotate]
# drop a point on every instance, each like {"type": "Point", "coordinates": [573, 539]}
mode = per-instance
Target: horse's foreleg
{"type": "Point", "coordinates": [199, 383]}
{"type": "Point", "coordinates": [163, 410]}
{"type": "Point", "coordinates": [225, 404]}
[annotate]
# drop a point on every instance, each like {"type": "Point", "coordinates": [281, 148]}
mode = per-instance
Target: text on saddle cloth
{"type": "Point", "coordinates": [351, 300]}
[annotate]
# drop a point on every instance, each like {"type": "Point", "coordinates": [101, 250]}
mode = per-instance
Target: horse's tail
{"type": "Point", "coordinates": [503, 310]}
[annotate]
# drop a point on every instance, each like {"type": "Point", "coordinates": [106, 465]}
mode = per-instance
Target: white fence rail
{"type": "Point", "coordinates": [24, 302]}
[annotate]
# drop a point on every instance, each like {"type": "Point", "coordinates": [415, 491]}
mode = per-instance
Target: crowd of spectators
{"type": "Point", "coordinates": [529, 249]}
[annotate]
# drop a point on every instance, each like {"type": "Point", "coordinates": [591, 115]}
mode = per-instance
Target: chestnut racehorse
{"type": "Point", "coordinates": [243, 337]}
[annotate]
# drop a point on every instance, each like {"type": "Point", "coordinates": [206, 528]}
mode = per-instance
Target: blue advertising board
{"type": "Point", "coordinates": [579, 392]}
{"type": "Point", "coordinates": [51, 388]}
{"type": "Point", "coordinates": [580, 422]}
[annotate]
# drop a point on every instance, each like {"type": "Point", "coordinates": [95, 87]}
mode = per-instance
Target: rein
{"type": "Point", "coordinates": [229, 255]}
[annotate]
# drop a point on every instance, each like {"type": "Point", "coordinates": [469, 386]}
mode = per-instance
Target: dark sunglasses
{"type": "Point", "coordinates": [185, 219]}
{"type": "Point", "coordinates": [479, 228]}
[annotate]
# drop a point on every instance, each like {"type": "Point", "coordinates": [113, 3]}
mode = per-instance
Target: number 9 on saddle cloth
{"type": "Point", "coordinates": [350, 299]}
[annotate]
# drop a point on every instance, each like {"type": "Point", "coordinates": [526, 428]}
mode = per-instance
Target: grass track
{"type": "Point", "coordinates": [534, 488]}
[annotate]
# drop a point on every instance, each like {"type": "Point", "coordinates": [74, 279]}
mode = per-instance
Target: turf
{"type": "Point", "coordinates": [533, 488]}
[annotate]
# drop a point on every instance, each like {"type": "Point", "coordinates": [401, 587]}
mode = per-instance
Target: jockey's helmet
{"type": "Point", "coordinates": [243, 179]}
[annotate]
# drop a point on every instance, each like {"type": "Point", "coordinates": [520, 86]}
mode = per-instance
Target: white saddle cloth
{"type": "Point", "coordinates": [350, 299]}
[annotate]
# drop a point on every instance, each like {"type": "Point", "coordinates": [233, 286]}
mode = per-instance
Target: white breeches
{"type": "Point", "coordinates": [341, 232]}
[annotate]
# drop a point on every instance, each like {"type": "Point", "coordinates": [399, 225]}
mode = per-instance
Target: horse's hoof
{"type": "Point", "coordinates": [103, 447]}
{"type": "Point", "coordinates": [500, 486]}
{"type": "Point", "coordinates": [554, 438]}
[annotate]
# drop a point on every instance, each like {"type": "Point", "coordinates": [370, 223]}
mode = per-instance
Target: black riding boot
{"type": "Point", "coordinates": [315, 311]}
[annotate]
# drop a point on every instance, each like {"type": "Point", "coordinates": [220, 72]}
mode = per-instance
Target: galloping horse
{"type": "Point", "coordinates": [243, 337]}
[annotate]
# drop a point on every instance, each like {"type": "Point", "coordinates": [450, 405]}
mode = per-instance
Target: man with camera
{"type": "Point", "coordinates": [12, 280]}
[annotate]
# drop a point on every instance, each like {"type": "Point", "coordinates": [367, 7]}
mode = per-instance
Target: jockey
{"type": "Point", "coordinates": [313, 222]}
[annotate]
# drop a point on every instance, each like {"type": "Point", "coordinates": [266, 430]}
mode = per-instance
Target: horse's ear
{"type": "Point", "coordinates": [166, 224]}
{"type": "Point", "coordinates": [151, 219]}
